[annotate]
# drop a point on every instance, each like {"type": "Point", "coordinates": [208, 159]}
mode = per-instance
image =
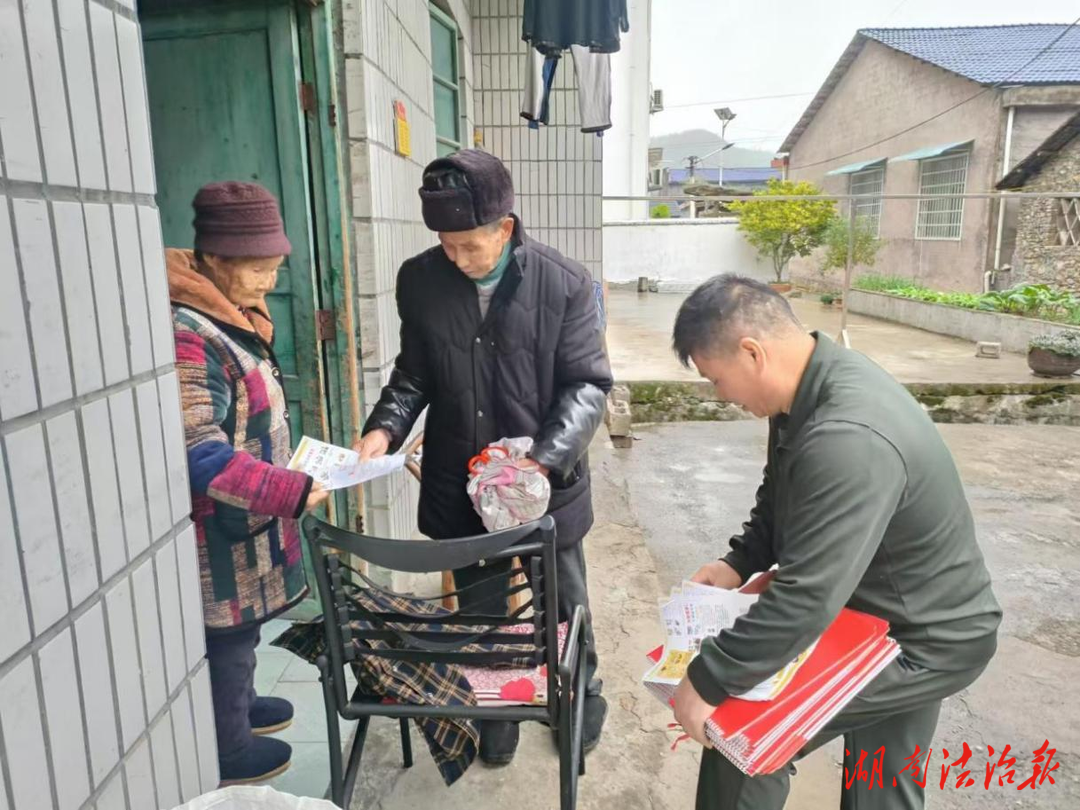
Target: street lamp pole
{"type": "Point", "coordinates": [726, 116]}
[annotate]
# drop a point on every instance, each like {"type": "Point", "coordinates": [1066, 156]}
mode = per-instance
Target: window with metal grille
{"type": "Point", "coordinates": [941, 215]}
{"type": "Point", "coordinates": [1066, 231]}
{"type": "Point", "coordinates": [444, 60]}
{"type": "Point", "coordinates": [870, 182]}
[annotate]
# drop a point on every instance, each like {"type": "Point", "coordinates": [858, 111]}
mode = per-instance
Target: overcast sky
{"type": "Point", "coordinates": [726, 50]}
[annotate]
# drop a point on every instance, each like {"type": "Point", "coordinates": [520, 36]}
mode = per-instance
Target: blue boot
{"type": "Point", "coordinates": [263, 759]}
{"type": "Point", "coordinates": [270, 714]}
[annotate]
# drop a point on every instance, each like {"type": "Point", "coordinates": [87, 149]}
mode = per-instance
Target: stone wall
{"type": "Point", "coordinates": [1039, 259]}
{"type": "Point", "coordinates": [1039, 402]}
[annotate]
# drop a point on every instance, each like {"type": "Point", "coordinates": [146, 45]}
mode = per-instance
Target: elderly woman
{"type": "Point", "coordinates": [244, 501]}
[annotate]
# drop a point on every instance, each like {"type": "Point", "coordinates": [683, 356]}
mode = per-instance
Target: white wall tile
{"type": "Point", "coordinates": [186, 752]}
{"type": "Point", "coordinates": [111, 97]}
{"type": "Point", "coordinates": [157, 484]}
{"type": "Point", "coordinates": [97, 691]}
{"type": "Point", "coordinates": [36, 521]}
{"type": "Point", "coordinates": [140, 777]}
{"type": "Point", "coordinates": [63, 714]}
{"type": "Point", "coordinates": [15, 628]}
{"type": "Point", "coordinates": [148, 626]}
{"type": "Point", "coordinates": [21, 159]}
{"type": "Point", "coordinates": [66, 453]}
{"type": "Point", "coordinates": [205, 736]}
{"type": "Point", "coordinates": [34, 233]}
{"type": "Point", "coordinates": [20, 715]}
{"type": "Point", "coordinates": [135, 104]}
{"type": "Point", "coordinates": [110, 313]}
{"type": "Point", "coordinates": [157, 287]}
{"type": "Point", "coordinates": [112, 798]}
{"type": "Point", "coordinates": [75, 37]}
{"type": "Point", "coordinates": [125, 654]}
{"type": "Point", "coordinates": [172, 627]}
{"type": "Point", "coordinates": [104, 489]}
{"type": "Point", "coordinates": [190, 596]}
{"type": "Point", "coordinates": [129, 468]}
{"type": "Point", "coordinates": [175, 446]}
{"type": "Point", "coordinates": [78, 296]}
{"type": "Point", "coordinates": [164, 753]}
{"type": "Point", "coordinates": [48, 76]}
{"type": "Point", "coordinates": [17, 392]}
{"type": "Point", "coordinates": [136, 317]}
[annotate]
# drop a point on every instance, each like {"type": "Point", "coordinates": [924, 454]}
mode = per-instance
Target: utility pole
{"type": "Point", "coordinates": [693, 160]}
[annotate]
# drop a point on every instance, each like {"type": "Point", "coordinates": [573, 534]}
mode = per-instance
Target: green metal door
{"type": "Point", "coordinates": [223, 83]}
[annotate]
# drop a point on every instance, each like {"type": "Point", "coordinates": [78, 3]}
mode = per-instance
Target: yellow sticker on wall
{"type": "Point", "coordinates": [402, 143]}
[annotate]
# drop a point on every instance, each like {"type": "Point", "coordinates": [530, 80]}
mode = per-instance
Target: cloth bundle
{"type": "Point", "coordinates": [506, 487]}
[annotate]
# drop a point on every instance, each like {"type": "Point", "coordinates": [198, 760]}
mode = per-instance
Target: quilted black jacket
{"type": "Point", "coordinates": [535, 366]}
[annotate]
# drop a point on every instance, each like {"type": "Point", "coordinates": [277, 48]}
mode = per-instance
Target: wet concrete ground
{"type": "Point", "coordinates": [670, 502]}
{"type": "Point", "coordinates": [639, 343]}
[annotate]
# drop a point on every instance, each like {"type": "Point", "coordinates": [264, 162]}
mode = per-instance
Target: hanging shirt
{"type": "Point", "coordinates": [552, 26]}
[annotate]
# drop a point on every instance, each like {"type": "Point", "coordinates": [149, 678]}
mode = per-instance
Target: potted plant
{"type": "Point", "coordinates": [1056, 355]}
{"type": "Point", "coordinates": [827, 300]}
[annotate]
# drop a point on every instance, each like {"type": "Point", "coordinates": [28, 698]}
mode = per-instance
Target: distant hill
{"type": "Point", "coordinates": [678, 146]}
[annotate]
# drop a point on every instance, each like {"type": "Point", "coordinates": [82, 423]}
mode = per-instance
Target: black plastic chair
{"type": "Point", "coordinates": [534, 545]}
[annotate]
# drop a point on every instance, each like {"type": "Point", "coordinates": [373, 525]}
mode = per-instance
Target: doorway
{"type": "Point", "coordinates": [232, 91]}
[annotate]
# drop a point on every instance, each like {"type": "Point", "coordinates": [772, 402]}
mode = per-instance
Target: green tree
{"type": "Point", "coordinates": [836, 238]}
{"type": "Point", "coordinates": [783, 229]}
{"type": "Point", "coordinates": [662, 211]}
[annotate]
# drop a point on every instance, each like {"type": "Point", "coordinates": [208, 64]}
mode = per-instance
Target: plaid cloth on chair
{"type": "Point", "coordinates": [453, 743]}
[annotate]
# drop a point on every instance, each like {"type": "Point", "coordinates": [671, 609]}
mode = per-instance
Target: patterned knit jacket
{"type": "Point", "coordinates": [244, 501]}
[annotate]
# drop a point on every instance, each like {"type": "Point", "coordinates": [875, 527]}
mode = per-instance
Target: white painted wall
{"type": "Point", "coordinates": [626, 144]}
{"type": "Point", "coordinates": [681, 251]}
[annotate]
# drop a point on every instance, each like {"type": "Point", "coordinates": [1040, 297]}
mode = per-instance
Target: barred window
{"type": "Point", "coordinates": [1066, 232]}
{"type": "Point", "coordinates": [941, 215]}
{"type": "Point", "coordinates": [870, 182]}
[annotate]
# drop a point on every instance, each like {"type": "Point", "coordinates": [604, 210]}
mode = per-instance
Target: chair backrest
{"type": "Point", "coordinates": [364, 618]}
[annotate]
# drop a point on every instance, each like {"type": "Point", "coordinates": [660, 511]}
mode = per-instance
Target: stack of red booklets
{"type": "Point", "coordinates": [760, 737]}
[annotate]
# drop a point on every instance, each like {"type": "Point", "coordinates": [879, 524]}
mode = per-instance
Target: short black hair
{"type": "Point", "coordinates": [726, 308]}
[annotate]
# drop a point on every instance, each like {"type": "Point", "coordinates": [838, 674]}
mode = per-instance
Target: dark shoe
{"type": "Point", "coordinates": [498, 741]}
{"type": "Point", "coordinates": [593, 723]}
{"type": "Point", "coordinates": [270, 714]}
{"type": "Point", "coordinates": [263, 759]}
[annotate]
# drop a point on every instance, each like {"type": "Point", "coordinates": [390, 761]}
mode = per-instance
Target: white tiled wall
{"type": "Point", "coordinates": [557, 168]}
{"type": "Point", "coordinates": [388, 58]}
{"type": "Point", "coordinates": [104, 694]}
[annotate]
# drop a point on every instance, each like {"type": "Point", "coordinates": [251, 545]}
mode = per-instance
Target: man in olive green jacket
{"type": "Point", "coordinates": [861, 506]}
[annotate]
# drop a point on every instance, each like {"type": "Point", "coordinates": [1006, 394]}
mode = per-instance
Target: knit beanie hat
{"type": "Point", "coordinates": [465, 190]}
{"type": "Point", "coordinates": [236, 219]}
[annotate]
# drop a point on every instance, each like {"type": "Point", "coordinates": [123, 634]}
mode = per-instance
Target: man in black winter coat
{"type": "Point", "coordinates": [500, 338]}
